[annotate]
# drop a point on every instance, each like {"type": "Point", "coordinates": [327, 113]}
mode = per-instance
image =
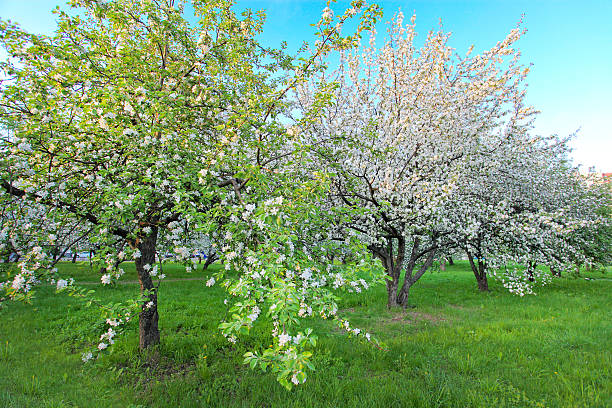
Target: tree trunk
{"type": "Point", "coordinates": [148, 317]}
{"type": "Point", "coordinates": [74, 257]}
{"type": "Point", "coordinates": [385, 254]}
{"type": "Point", "coordinates": [450, 261]}
{"type": "Point", "coordinates": [55, 253]}
{"type": "Point", "coordinates": [392, 285]}
{"type": "Point", "coordinates": [483, 283]}
{"type": "Point", "coordinates": [411, 278]}
{"type": "Point", "coordinates": [480, 272]}
{"type": "Point", "coordinates": [402, 297]}
{"type": "Point", "coordinates": [393, 266]}
{"type": "Point", "coordinates": [530, 269]}
{"type": "Point", "coordinates": [209, 260]}
{"type": "Point", "coordinates": [393, 262]}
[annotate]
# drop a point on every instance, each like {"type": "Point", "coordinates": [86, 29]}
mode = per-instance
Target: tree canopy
{"type": "Point", "coordinates": [140, 127]}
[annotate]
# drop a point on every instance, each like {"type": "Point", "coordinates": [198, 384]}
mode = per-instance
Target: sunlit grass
{"type": "Point", "coordinates": [458, 347]}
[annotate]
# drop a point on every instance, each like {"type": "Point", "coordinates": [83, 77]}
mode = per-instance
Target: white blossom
{"type": "Point", "coordinates": [283, 339]}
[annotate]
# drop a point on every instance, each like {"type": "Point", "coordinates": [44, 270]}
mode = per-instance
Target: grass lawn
{"type": "Point", "coordinates": [457, 348]}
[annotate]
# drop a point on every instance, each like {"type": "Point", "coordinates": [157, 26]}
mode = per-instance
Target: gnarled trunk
{"type": "Point", "coordinates": [392, 285]}
{"type": "Point", "coordinates": [483, 283]}
{"type": "Point", "coordinates": [480, 272]}
{"type": "Point", "coordinates": [148, 317]}
{"type": "Point", "coordinates": [393, 264]}
{"type": "Point", "coordinates": [411, 277]}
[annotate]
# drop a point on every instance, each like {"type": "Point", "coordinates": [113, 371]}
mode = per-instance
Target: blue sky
{"type": "Point", "coordinates": [569, 44]}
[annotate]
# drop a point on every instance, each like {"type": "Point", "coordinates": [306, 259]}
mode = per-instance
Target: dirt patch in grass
{"type": "Point", "coordinates": [416, 317]}
{"type": "Point", "coordinates": [151, 368]}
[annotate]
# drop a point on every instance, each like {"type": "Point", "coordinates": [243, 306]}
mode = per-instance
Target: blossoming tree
{"type": "Point", "coordinates": [519, 207]}
{"type": "Point", "coordinates": [397, 138]}
{"type": "Point", "coordinates": [146, 128]}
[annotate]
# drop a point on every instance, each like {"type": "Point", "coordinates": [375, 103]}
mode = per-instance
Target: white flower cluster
{"type": "Point", "coordinates": [25, 279]}
{"type": "Point", "coordinates": [109, 337]}
{"type": "Point", "coordinates": [327, 14]}
{"type": "Point", "coordinates": [63, 283]}
{"type": "Point", "coordinates": [254, 314]}
{"type": "Point", "coordinates": [355, 286]}
{"type": "Point", "coordinates": [354, 330]}
{"type": "Point", "coordinates": [183, 253]}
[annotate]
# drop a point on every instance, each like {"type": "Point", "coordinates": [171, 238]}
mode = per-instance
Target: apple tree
{"type": "Point", "coordinates": [144, 127]}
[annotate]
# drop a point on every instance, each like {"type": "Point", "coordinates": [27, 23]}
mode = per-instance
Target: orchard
{"type": "Point", "coordinates": [151, 134]}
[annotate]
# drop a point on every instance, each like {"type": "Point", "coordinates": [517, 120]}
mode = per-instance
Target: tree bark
{"type": "Point", "coordinates": [555, 272]}
{"type": "Point", "coordinates": [410, 278]}
{"type": "Point", "coordinates": [480, 272]}
{"type": "Point", "coordinates": [385, 254]}
{"type": "Point", "coordinates": [402, 297]}
{"type": "Point", "coordinates": [148, 317]}
{"type": "Point", "coordinates": [530, 269]}
{"type": "Point", "coordinates": [209, 260]}
{"type": "Point", "coordinates": [392, 285]}
{"type": "Point", "coordinates": [393, 262]}
{"type": "Point", "coordinates": [74, 256]}
{"type": "Point", "coordinates": [55, 253]}
{"type": "Point", "coordinates": [483, 283]}
{"type": "Point", "coordinates": [451, 262]}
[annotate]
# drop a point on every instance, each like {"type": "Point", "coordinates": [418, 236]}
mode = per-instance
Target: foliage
{"type": "Point", "coordinates": [136, 133]}
{"type": "Point", "coordinates": [143, 128]}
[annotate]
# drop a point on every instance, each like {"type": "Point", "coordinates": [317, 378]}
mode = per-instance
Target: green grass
{"type": "Point", "coordinates": [458, 348]}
